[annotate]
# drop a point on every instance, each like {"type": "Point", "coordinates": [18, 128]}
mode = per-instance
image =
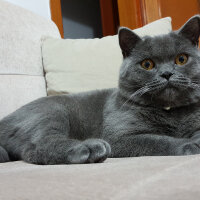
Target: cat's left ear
{"type": "Point", "coordinates": [191, 29]}
{"type": "Point", "coordinates": [127, 40]}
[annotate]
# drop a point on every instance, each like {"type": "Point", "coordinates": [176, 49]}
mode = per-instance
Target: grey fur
{"type": "Point", "coordinates": [131, 119]}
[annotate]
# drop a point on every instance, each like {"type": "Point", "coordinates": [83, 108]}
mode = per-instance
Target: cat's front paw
{"type": "Point", "coordinates": [3, 155]}
{"type": "Point", "coordinates": [89, 151]}
{"type": "Point", "coordinates": [189, 148]}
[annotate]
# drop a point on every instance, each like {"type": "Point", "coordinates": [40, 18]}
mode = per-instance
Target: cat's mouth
{"type": "Point", "coordinates": [166, 93]}
{"type": "Point", "coordinates": [173, 92]}
{"type": "Point", "coordinates": [169, 89]}
{"type": "Point", "coordinates": [169, 86]}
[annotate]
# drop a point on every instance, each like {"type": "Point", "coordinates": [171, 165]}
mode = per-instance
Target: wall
{"type": "Point", "coordinates": [81, 18]}
{"type": "Point", "coordinates": [40, 7]}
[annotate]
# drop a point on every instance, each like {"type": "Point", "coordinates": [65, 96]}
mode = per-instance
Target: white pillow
{"type": "Point", "coordinates": [75, 65]}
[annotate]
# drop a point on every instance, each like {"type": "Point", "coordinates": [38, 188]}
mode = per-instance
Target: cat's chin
{"type": "Point", "coordinates": [168, 93]}
{"type": "Point", "coordinates": [169, 97]}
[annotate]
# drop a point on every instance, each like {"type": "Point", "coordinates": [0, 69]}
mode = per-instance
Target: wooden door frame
{"type": "Point", "coordinates": [146, 10]}
{"type": "Point", "coordinates": [56, 15]}
{"type": "Point", "coordinates": [137, 13]}
{"type": "Point", "coordinates": [109, 17]}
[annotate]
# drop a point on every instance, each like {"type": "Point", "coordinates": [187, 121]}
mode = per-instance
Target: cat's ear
{"type": "Point", "coordinates": [127, 40]}
{"type": "Point", "coordinates": [191, 29]}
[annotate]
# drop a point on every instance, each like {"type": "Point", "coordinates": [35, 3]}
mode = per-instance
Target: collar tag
{"type": "Point", "coordinates": [167, 108]}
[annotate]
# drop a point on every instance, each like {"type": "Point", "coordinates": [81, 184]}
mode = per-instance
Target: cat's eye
{"type": "Point", "coordinates": [147, 64]}
{"type": "Point", "coordinates": [181, 59]}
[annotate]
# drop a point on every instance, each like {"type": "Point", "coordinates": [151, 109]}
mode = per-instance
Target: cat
{"type": "Point", "coordinates": [155, 111]}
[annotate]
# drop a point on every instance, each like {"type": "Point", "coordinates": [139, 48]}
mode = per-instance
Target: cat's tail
{"type": "Point", "coordinates": [3, 155]}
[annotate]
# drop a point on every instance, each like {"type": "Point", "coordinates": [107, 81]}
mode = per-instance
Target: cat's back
{"type": "Point", "coordinates": [81, 109]}
{"type": "Point", "coordinates": [77, 101]}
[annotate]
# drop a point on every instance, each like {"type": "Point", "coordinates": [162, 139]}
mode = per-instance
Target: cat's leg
{"type": "Point", "coordinates": [145, 145]}
{"type": "Point", "coordinates": [3, 155]}
{"type": "Point", "coordinates": [58, 149]}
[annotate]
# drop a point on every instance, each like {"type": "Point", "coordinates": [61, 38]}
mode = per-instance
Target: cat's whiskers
{"type": "Point", "coordinates": [154, 85]}
{"type": "Point", "coordinates": [148, 87]}
{"type": "Point", "coordinates": [134, 94]}
{"type": "Point", "coordinates": [196, 79]}
{"type": "Point", "coordinates": [181, 81]}
{"type": "Point", "coordinates": [195, 82]}
{"type": "Point", "coordinates": [186, 82]}
{"type": "Point", "coordinates": [195, 85]}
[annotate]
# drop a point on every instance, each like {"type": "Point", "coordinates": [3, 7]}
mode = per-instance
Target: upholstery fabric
{"type": "Point", "coordinates": [21, 70]}
{"type": "Point", "coordinates": [144, 178]}
{"type": "Point", "coordinates": [17, 90]}
{"type": "Point", "coordinates": [87, 64]}
{"type": "Point", "coordinates": [21, 30]}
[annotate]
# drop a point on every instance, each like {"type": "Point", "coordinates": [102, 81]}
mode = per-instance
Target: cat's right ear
{"type": "Point", "coordinates": [127, 40]}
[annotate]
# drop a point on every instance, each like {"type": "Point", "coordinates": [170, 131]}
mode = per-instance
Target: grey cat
{"type": "Point", "coordinates": [155, 111]}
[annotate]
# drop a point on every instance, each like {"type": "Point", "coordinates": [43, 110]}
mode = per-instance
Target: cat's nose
{"type": "Point", "coordinates": [166, 74]}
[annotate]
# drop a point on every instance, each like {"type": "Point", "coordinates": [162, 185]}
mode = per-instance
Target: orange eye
{"type": "Point", "coordinates": [181, 59]}
{"type": "Point", "coordinates": [147, 64]}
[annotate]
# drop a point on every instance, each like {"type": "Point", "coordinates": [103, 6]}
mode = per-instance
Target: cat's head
{"type": "Point", "coordinates": [163, 71]}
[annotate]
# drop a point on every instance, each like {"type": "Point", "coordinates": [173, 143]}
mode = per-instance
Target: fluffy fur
{"type": "Point", "coordinates": [150, 113]}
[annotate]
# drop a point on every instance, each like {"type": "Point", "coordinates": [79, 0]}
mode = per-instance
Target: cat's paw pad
{"type": "Point", "coordinates": [89, 151]}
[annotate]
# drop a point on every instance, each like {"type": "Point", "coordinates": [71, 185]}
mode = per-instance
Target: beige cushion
{"type": "Point", "coordinates": [87, 64]}
{"type": "Point", "coordinates": [144, 178]}
{"type": "Point", "coordinates": [21, 70]}
{"type": "Point", "coordinates": [16, 90]}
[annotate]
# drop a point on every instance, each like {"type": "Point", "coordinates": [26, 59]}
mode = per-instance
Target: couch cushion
{"type": "Point", "coordinates": [17, 90]}
{"type": "Point", "coordinates": [21, 69]}
{"type": "Point", "coordinates": [143, 178]}
{"type": "Point", "coordinates": [20, 35]}
{"type": "Point", "coordinates": [87, 64]}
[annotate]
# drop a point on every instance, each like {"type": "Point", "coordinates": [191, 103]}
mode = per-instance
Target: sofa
{"type": "Point", "coordinates": [21, 81]}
